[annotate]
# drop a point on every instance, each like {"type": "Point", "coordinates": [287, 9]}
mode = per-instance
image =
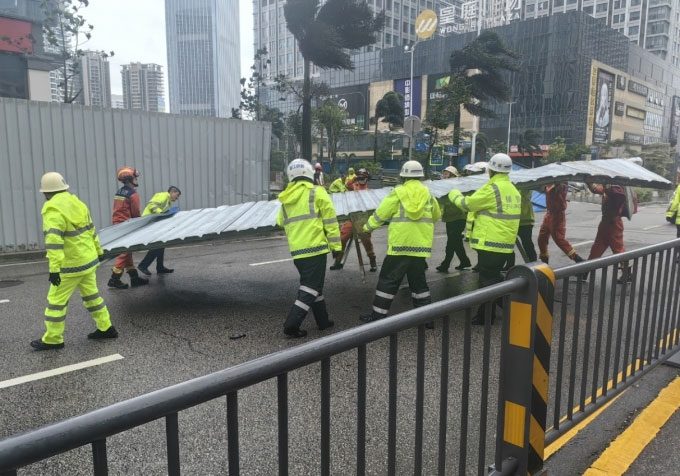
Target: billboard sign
{"type": "Point", "coordinates": [435, 86]}
{"type": "Point", "coordinates": [637, 88]}
{"type": "Point", "coordinates": [354, 101]}
{"type": "Point", "coordinates": [604, 106]}
{"type": "Point", "coordinates": [619, 108]}
{"type": "Point", "coordinates": [411, 95]}
{"type": "Point", "coordinates": [621, 82]}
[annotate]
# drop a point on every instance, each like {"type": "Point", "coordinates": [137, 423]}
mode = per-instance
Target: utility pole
{"type": "Point", "coordinates": [475, 119]}
{"type": "Point", "coordinates": [509, 121]}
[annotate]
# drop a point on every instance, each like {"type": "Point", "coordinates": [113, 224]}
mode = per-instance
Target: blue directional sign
{"type": "Point", "coordinates": [421, 147]}
{"type": "Point", "coordinates": [436, 158]}
{"type": "Point", "coordinates": [450, 150]}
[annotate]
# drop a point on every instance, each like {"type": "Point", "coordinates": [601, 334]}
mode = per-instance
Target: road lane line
{"type": "Point", "coordinates": [628, 446]}
{"type": "Point", "coordinates": [583, 243]}
{"type": "Point", "coordinates": [652, 227]}
{"type": "Point", "coordinates": [59, 371]}
{"type": "Point", "coordinates": [23, 263]}
{"type": "Point", "coordinates": [271, 262]}
{"type": "Point", "coordinates": [4, 301]}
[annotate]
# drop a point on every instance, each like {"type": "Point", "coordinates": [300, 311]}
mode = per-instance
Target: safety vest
{"type": "Point", "coordinates": [527, 213]}
{"type": "Point", "coordinates": [449, 211]}
{"type": "Point", "coordinates": [497, 207]}
{"type": "Point", "coordinates": [71, 240]}
{"type": "Point", "coordinates": [308, 217]}
{"type": "Point", "coordinates": [337, 186]}
{"type": "Point", "coordinates": [674, 207]}
{"type": "Point", "coordinates": [159, 203]}
{"type": "Point", "coordinates": [412, 213]}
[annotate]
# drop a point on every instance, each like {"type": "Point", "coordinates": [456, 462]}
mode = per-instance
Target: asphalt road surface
{"type": "Point", "coordinates": [225, 304]}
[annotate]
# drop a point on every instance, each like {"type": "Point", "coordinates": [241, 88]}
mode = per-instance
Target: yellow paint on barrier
{"type": "Point", "coordinates": [536, 437]}
{"type": "Point", "coordinates": [544, 319]}
{"type": "Point", "coordinates": [520, 324]}
{"type": "Point", "coordinates": [626, 448]}
{"type": "Point", "coordinates": [540, 380]}
{"type": "Point", "coordinates": [513, 431]}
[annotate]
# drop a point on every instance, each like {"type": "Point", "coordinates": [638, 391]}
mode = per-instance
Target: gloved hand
{"type": "Point", "coordinates": [337, 254]}
{"type": "Point", "coordinates": [55, 279]}
{"type": "Point", "coordinates": [669, 219]}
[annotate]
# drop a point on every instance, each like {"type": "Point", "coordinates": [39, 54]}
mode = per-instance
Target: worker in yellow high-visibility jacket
{"type": "Point", "coordinates": [73, 253]}
{"type": "Point", "coordinates": [497, 208]}
{"type": "Point", "coordinates": [412, 212]}
{"type": "Point", "coordinates": [673, 211]}
{"type": "Point", "coordinates": [308, 217]}
{"type": "Point", "coordinates": [159, 203]}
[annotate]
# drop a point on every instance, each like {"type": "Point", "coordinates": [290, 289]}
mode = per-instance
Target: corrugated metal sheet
{"type": "Point", "coordinates": [224, 222]}
{"type": "Point", "coordinates": [214, 161]}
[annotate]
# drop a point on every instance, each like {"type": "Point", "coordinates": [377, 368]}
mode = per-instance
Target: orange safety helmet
{"type": "Point", "coordinates": [126, 173]}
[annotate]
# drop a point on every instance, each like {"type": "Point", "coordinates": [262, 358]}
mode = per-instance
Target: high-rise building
{"type": "Point", "coordinates": [204, 65]}
{"type": "Point", "coordinates": [95, 78]}
{"type": "Point", "coordinates": [117, 101]}
{"type": "Point", "coordinates": [143, 87]}
{"type": "Point", "coordinates": [271, 32]}
{"type": "Point", "coordinates": [651, 24]}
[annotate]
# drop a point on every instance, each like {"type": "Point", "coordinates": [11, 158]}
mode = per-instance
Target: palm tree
{"type": "Point", "coordinates": [480, 66]}
{"type": "Point", "coordinates": [391, 110]}
{"type": "Point", "coordinates": [324, 35]}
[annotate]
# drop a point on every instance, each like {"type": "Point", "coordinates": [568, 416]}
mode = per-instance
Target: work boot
{"type": "Point", "coordinates": [164, 270]}
{"type": "Point", "coordinates": [442, 269]}
{"type": "Point", "coordinates": [336, 266]}
{"type": "Point", "coordinates": [463, 265]}
{"type": "Point", "coordinates": [366, 318]}
{"type": "Point", "coordinates": [110, 333]}
{"type": "Point", "coordinates": [578, 259]}
{"type": "Point", "coordinates": [135, 280]}
{"type": "Point", "coordinates": [144, 270]}
{"type": "Point", "coordinates": [294, 333]}
{"type": "Point", "coordinates": [373, 262]}
{"type": "Point", "coordinates": [38, 344]}
{"type": "Point", "coordinates": [545, 259]}
{"type": "Point", "coordinates": [116, 283]}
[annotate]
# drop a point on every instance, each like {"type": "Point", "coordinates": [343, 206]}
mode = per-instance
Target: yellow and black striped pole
{"type": "Point", "coordinates": [525, 362]}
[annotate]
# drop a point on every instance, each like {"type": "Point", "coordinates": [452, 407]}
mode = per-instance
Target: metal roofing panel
{"type": "Point", "coordinates": [225, 221]}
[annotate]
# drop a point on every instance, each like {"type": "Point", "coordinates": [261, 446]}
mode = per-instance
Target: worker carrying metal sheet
{"type": "Point", "coordinates": [673, 211]}
{"type": "Point", "coordinates": [497, 209]}
{"type": "Point", "coordinates": [73, 254]}
{"type": "Point", "coordinates": [159, 203]}
{"type": "Point", "coordinates": [555, 223]}
{"type": "Point", "coordinates": [126, 205]}
{"type": "Point", "coordinates": [308, 218]}
{"type": "Point", "coordinates": [412, 212]}
{"type": "Point", "coordinates": [338, 185]}
{"type": "Point", "coordinates": [455, 220]}
{"type": "Point", "coordinates": [356, 224]}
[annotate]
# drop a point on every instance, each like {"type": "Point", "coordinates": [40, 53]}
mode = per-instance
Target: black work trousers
{"type": "Point", "coordinates": [392, 273]}
{"type": "Point", "coordinates": [158, 254]}
{"type": "Point", "coordinates": [490, 265]}
{"type": "Point", "coordinates": [454, 243]}
{"type": "Point", "coordinates": [310, 293]}
{"type": "Point", "coordinates": [524, 233]}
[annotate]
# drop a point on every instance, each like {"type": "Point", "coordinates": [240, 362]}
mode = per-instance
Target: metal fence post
{"type": "Point", "coordinates": [525, 359]}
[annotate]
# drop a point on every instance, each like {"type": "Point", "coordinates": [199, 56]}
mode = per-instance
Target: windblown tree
{"type": "Point", "coordinates": [480, 66]}
{"type": "Point", "coordinates": [325, 34]}
{"type": "Point", "coordinates": [389, 110]}
{"type": "Point", "coordinates": [330, 118]}
{"type": "Point", "coordinates": [529, 143]}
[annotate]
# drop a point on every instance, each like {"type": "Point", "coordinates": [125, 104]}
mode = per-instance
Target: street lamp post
{"type": "Point", "coordinates": [509, 121]}
{"type": "Point", "coordinates": [410, 49]}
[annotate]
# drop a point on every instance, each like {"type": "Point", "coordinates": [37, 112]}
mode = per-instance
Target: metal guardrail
{"type": "Point", "coordinates": [531, 389]}
{"type": "Point", "coordinates": [611, 333]}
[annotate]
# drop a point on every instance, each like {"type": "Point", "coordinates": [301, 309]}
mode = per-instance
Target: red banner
{"type": "Point", "coordinates": [15, 36]}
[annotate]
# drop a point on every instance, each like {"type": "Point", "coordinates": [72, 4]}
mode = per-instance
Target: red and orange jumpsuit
{"type": "Point", "coordinates": [346, 228]}
{"type": "Point", "coordinates": [610, 230]}
{"type": "Point", "coordinates": [554, 222]}
{"type": "Point", "coordinates": [126, 205]}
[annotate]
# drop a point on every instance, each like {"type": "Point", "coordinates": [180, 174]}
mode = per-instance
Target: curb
{"type": "Point", "coordinates": [22, 256]}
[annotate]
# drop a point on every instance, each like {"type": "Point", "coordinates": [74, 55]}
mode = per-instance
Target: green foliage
{"type": "Point", "coordinates": [529, 142]}
{"type": "Point", "coordinates": [330, 117]}
{"type": "Point", "coordinates": [250, 88]}
{"type": "Point", "coordinates": [576, 152]}
{"type": "Point", "coordinates": [496, 147]}
{"type": "Point", "coordinates": [66, 29]}
{"type": "Point", "coordinates": [558, 150]}
{"type": "Point", "coordinates": [325, 34]}
{"type": "Point", "coordinates": [659, 159]}
{"type": "Point", "coordinates": [644, 194]}
{"type": "Point", "coordinates": [389, 109]}
{"type": "Point", "coordinates": [277, 160]}
{"type": "Point", "coordinates": [372, 167]}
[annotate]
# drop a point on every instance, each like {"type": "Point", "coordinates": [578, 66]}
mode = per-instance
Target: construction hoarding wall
{"type": "Point", "coordinates": [213, 161]}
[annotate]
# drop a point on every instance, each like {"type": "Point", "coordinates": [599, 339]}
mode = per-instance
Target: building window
{"type": "Point", "coordinates": [530, 8]}
{"type": "Point", "coordinates": [601, 8]}
{"type": "Point", "coordinates": [588, 10]}
{"type": "Point", "coordinates": [634, 16]}
{"type": "Point", "coordinates": [559, 3]}
{"type": "Point", "coordinates": [633, 30]}
{"type": "Point", "coordinates": [634, 3]}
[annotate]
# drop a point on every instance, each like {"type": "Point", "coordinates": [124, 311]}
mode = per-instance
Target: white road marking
{"type": "Point", "coordinates": [23, 263]}
{"type": "Point", "coordinates": [271, 262]}
{"type": "Point", "coordinates": [4, 301]}
{"type": "Point", "coordinates": [59, 371]}
{"type": "Point", "coordinates": [583, 243]}
{"type": "Point", "coordinates": [652, 227]}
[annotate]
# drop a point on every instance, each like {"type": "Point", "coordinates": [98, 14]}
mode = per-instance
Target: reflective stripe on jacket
{"type": "Point", "coordinates": [497, 207]}
{"type": "Point", "coordinates": [412, 213]}
{"type": "Point", "coordinates": [70, 237]}
{"type": "Point", "coordinates": [159, 203]}
{"type": "Point", "coordinates": [308, 217]}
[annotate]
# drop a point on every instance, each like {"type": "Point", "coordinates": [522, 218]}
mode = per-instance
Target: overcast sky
{"type": "Point", "coordinates": [135, 31]}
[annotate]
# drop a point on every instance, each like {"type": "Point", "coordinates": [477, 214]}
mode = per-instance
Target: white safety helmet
{"type": "Point", "coordinates": [300, 168]}
{"type": "Point", "coordinates": [501, 163]}
{"type": "Point", "coordinates": [452, 170]}
{"type": "Point", "coordinates": [53, 182]}
{"type": "Point", "coordinates": [412, 169]}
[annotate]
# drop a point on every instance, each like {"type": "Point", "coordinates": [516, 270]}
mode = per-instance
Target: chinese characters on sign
{"type": "Point", "coordinates": [411, 95]}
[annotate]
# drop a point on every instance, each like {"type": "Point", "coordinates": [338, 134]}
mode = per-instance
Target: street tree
{"type": "Point", "coordinates": [389, 110]}
{"type": "Point", "coordinates": [325, 34]}
{"type": "Point", "coordinates": [480, 66]}
{"type": "Point", "coordinates": [330, 119]}
{"type": "Point", "coordinates": [558, 150]}
{"type": "Point", "coordinates": [67, 31]}
{"type": "Point", "coordinates": [250, 104]}
{"type": "Point", "coordinates": [529, 143]}
{"type": "Point", "coordinates": [659, 159]}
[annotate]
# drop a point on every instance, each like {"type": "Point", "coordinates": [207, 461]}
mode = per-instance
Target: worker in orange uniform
{"type": "Point", "coordinates": [610, 229]}
{"type": "Point", "coordinates": [359, 182]}
{"type": "Point", "coordinates": [554, 223]}
{"type": "Point", "coordinates": [126, 205]}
